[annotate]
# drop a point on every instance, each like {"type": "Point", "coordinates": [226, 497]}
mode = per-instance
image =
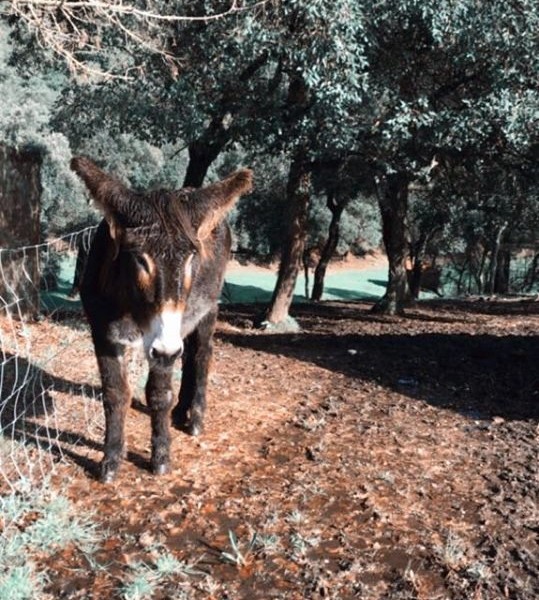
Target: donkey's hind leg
{"type": "Point", "coordinates": [116, 400]}
{"type": "Point", "coordinates": [189, 412]}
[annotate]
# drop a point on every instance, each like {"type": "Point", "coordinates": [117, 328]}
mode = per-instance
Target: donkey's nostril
{"type": "Point", "coordinates": [165, 357]}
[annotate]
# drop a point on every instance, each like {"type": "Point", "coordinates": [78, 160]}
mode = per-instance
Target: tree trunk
{"type": "Point", "coordinates": [415, 276]}
{"type": "Point", "coordinates": [205, 150]}
{"type": "Point", "coordinates": [460, 280]}
{"type": "Point", "coordinates": [494, 258]}
{"type": "Point", "coordinates": [393, 204]}
{"type": "Point", "coordinates": [330, 246]}
{"type": "Point", "coordinates": [418, 251]}
{"type": "Point", "coordinates": [531, 275]}
{"type": "Point", "coordinates": [20, 197]}
{"type": "Point", "coordinates": [305, 260]}
{"type": "Point", "coordinates": [503, 270]}
{"type": "Point", "coordinates": [298, 195]}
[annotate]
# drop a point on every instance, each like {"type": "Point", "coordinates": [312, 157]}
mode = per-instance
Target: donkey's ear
{"type": "Point", "coordinates": [110, 195]}
{"type": "Point", "coordinates": [213, 202]}
{"type": "Point", "coordinates": [108, 192]}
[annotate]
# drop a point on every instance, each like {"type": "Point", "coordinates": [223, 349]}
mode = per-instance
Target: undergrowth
{"type": "Point", "coordinates": [36, 524]}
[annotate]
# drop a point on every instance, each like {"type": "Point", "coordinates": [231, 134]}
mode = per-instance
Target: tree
{"type": "Point", "coordinates": [200, 99]}
{"type": "Point", "coordinates": [343, 181]}
{"type": "Point", "coordinates": [448, 83]}
{"type": "Point", "coordinates": [259, 218]}
{"type": "Point", "coordinates": [25, 126]}
{"type": "Point", "coordinates": [237, 82]}
{"type": "Point", "coordinates": [494, 213]}
{"type": "Point", "coordinates": [297, 194]}
{"type": "Point", "coordinates": [19, 227]}
{"type": "Point", "coordinates": [336, 204]}
{"type": "Point", "coordinates": [413, 92]}
{"type": "Point", "coordinates": [323, 60]}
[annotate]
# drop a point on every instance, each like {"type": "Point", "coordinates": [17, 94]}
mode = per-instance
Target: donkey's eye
{"type": "Point", "coordinates": [142, 263]}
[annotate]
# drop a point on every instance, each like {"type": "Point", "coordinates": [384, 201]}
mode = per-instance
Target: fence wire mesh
{"type": "Point", "coordinates": [49, 392]}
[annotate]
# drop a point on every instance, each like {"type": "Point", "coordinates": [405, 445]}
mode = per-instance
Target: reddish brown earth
{"type": "Point", "coordinates": [389, 457]}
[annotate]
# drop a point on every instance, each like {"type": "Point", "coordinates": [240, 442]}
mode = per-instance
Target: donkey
{"type": "Point", "coordinates": [153, 277]}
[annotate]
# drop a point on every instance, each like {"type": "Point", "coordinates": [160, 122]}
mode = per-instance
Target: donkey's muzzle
{"type": "Point", "coordinates": [162, 340]}
{"type": "Point", "coordinates": [164, 359]}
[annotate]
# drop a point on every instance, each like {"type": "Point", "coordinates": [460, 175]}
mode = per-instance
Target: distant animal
{"type": "Point", "coordinates": [425, 277]}
{"type": "Point", "coordinates": [153, 277]}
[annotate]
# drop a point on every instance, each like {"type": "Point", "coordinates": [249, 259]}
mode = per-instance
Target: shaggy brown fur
{"type": "Point", "coordinates": [157, 259]}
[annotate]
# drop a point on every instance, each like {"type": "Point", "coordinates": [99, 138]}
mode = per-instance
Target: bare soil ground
{"type": "Point", "coordinates": [375, 457]}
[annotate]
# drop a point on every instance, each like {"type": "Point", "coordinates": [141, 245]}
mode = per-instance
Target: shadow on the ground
{"type": "Point", "coordinates": [343, 294]}
{"type": "Point", "coordinates": [480, 376]}
{"type": "Point", "coordinates": [26, 407]}
{"type": "Point", "coordinates": [234, 293]}
{"type": "Point", "coordinates": [380, 282]}
{"type": "Point", "coordinates": [499, 306]}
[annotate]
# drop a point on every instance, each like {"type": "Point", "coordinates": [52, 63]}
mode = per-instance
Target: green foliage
{"type": "Point", "coordinates": [58, 527]}
{"type": "Point", "coordinates": [236, 73]}
{"type": "Point", "coordinates": [444, 92]}
{"type": "Point", "coordinates": [135, 161]}
{"type": "Point", "coordinates": [145, 578]}
{"type": "Point", "coordinates": [25, 121]}
{"type": "Point", "coordinates": [258, 220]}
{"type": "Point", "coordinates": [27, 102]}
{"type": "Point", "coordinates": [359, 225]}
{"type": "Point", "coordinates": [142, 585]}
{"type": "Point", "coordinates": [451, 79]}
{"type": "Point", "coordinates": [324, 46]}
{"type": "Point", "coordinates": [21, 583]}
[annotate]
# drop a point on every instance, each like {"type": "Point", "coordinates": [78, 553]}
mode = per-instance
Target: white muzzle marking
{"type": "Point", "coordinates": [164, 335]}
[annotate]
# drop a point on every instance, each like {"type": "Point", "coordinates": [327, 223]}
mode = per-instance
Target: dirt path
{"type": "Point", "coordinates": [374, 458]}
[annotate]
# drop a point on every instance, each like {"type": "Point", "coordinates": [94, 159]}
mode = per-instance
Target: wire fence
{"type": "Point", "coordinates": [49, 393]}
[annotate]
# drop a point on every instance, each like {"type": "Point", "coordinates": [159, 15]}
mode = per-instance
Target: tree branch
{"type": "Point", "coordinates": [67, 27]}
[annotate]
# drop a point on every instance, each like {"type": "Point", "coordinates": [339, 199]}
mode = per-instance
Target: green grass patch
{"type": "Point", "coordinates": [37, 524]}
{"type": "Point", "coordinates": [162, 570]}
{"type": "Point", "coordinates": [58, 298]}
{"type": "Point", "coordinates": [243, 287]}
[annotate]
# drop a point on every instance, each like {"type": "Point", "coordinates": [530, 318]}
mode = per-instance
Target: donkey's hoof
{"type": "Point", "coordinates": [194, 428]}
{"type": "Point", "coordinates": [108, 473]}
{"type": "Point", "coordinates": [179, 420]}
{"type": "Point", "coordinates": [162, 468]}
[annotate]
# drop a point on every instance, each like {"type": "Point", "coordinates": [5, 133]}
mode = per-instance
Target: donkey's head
{"type": "Point", "coordinates": [158, 241]}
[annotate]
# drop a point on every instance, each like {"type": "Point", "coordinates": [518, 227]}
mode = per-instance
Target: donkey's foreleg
{"type": "Point", "coordinates": [160, 399]}
{"type": "Point", "coordinates": [189, 412]}
{"type": "Point", "coordinates": [116, 399]}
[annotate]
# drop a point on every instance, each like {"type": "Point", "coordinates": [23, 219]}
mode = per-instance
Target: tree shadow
{"type": "Point", "coordinates": [379, 282]}
{"type": "Point", "coordinates": [343, 294]}
{"type": "Point", "coordinates": [479, 376]}
{"type": "Point", "coordinates": [234, 293]}
{"type": "Point", "coordinates": [21, 378]}
{"type": "Point", "coordinates": [485, 306]}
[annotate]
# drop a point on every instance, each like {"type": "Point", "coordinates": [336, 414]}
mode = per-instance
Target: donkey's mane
{"type": "Point", "coordinates": [161, 217]}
